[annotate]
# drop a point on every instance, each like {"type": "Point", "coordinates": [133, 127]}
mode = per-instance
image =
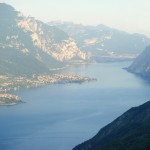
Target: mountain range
{"type": "Point", "coordinates": [29, 46]}
{"type": "Point", "coordinates": [130, 131]}
{"type": "Point", "coordinates": [104, 43]}
{"type": "Point", "coordinates": [141, 65]}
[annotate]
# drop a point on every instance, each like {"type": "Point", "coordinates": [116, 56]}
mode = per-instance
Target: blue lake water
{"type": "Point", "coordinates": [58, 117]}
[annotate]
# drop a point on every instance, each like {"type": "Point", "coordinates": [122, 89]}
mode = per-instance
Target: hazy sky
{"type": "Point", "coordinates": [128, 15]}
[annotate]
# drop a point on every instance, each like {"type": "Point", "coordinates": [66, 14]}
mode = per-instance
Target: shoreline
{"type": "Point", "coordinates": [16, 83]}
{"type": "Point", "coordinates": [9, 99]}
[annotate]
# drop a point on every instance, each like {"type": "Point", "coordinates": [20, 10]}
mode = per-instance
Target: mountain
{"type": "Point", "coordinates": [141, 65]}
{"type": "Point", "coordinates": [103, 42]}
{"type": "Point", "coordinates": [130, 131]}
{"type": "Point", "coordinates": [30, 46]}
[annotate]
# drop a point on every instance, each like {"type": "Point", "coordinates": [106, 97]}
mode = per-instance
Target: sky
{"type": "Point", "coordinates": [128, 15]}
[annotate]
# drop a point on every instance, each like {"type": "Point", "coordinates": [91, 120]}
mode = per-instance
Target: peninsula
{"type": "Point", "coordinates": [8, 83]}
{"type": "Point", "coordinates": [15, 83]}
{"type": "Point", "coordinates": [9, 99]}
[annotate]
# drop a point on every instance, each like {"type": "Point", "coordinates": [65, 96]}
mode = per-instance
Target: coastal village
{"type": "Point", "coordinates": [16, 83]}
{"type": "Point", "coordinates": [9, 99]}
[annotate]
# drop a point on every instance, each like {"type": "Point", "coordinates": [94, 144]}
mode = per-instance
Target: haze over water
{"type": "Point", "coordinates": [60, 116]}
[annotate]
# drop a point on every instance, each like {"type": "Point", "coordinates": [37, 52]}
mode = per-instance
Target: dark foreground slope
{"type": "Point", "coordinates": [131, 131]}
{"type": "Point", "coordinates": [141, 65]}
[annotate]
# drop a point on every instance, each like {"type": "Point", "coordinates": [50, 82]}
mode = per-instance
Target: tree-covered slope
{"type": "Point", "coordinates": [130, 131]}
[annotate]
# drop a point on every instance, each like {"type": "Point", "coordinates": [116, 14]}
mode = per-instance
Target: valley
{"type": "Point", "coordinates": [103, 43]}
{"type": "Point", "coordinates": [68, 81]}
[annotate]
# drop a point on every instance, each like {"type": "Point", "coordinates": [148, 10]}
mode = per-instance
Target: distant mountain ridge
{"type": "Point", "coordinates": [29, 46]}
{"type": "Point", "coordinates": [104, 42]}
{"type": "Point", "coordinates": [130, 131]}
{"type": "Point", "coordinates": [35, 47]}
{"type": "Point", "coordinates": [141, 65]}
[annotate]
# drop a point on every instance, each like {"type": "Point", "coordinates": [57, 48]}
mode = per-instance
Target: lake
{"type": "Point", "coordinates": [60, 116]}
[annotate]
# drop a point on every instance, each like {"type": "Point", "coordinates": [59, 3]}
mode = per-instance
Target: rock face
{"type": "Point", "coordinates": [103, 42]}
{"type": "Point", "coordinates": [141, 65]}
{"type": "Point", "coordinates": [33, 43]}
{"type": "Point", "coordinates": [131, 131]}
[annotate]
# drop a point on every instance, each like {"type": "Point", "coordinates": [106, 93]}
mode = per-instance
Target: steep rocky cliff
{"type": "Point", "coordinates": [104, 43]}
{"type": "Point", "coordinates": [141, 65]}
{"type": "Point", "coordinates": [29, 45]}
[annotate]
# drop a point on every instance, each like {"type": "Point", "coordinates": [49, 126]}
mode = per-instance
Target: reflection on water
{"type": "Point", "coordinates": [58, 117]}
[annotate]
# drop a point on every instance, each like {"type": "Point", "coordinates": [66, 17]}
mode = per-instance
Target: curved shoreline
{"type": "Point", "coordinates": [16, 83]}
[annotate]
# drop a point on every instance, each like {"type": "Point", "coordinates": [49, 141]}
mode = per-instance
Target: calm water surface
{"type": "Point", "coordinates": [58, 117]}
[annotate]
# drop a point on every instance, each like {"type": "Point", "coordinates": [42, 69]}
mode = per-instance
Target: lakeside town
{"type": "Point", "coordinates": [16, 83]}
{"type": "Point", "coordinates": [9, 99]}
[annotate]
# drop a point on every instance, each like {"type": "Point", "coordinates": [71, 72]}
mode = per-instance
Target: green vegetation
{"type": "Point", "coordinates": [14, 62]}
{"type": "Point", "coordinates": [131, 131]}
